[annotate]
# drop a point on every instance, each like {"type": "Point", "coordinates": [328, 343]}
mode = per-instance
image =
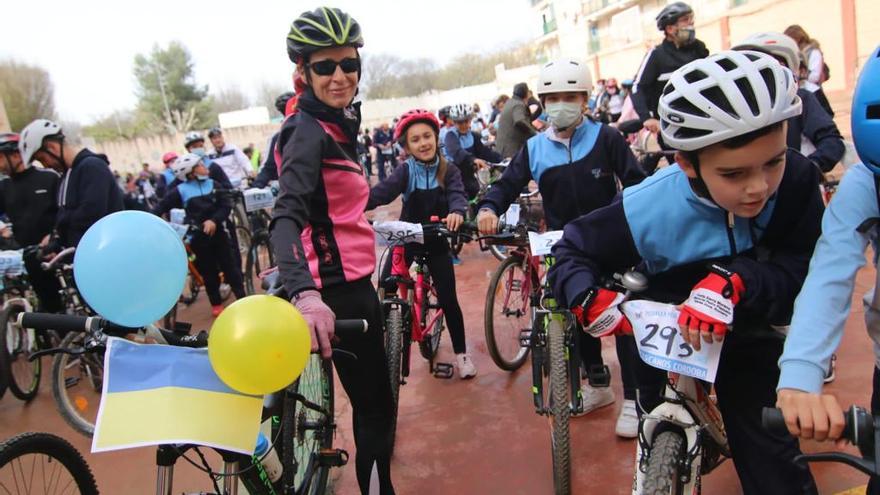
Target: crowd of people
{"type": "Point", "coordinates": [728, 230]}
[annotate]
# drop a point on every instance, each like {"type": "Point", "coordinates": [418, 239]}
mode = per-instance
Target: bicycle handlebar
{"type": "Point", "coordinates": [78, 323]}
{"type": "Point", "coordinates": [860, 429]}
{"type": "Point", "coordinates": [49, 265]}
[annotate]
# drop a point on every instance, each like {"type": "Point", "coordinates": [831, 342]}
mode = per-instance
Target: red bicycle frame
{"type": "Point", "coordinates": [532, 277]}
{"type": "Point", "coordinates": [421, 290]}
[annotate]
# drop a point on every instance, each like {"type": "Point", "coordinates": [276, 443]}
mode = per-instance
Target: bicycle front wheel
{"type": "Point", "coordinates": [40, 463]}
{"type": "Point", "coordinates": [507, 314]}
{"type": "Point", "coordinates": [560, 409]}
{"type": "Point", "coordinates": [306, 431]}
{"type": "Point", "coordinates": [663, 474]}
{"type": "Point", "coordinates": [430, 311]}
{"type": "Point", "coordinates": [393, 353]}
{"type": "Point", "coordinates": [76, 384]}
{"type": "Point", "coordinates": [22, 376]}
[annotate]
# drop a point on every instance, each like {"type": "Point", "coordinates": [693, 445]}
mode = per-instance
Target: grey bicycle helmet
{"type": "Point", "coordinates": [671, 13]}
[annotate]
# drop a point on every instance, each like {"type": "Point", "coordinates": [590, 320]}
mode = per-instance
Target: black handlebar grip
{"type": "Point", "coordinates": [61, 323]}
{"type": "Point", "coordinates": [351, 327]}
{"type": "Point", "coordinates": [774, 421]}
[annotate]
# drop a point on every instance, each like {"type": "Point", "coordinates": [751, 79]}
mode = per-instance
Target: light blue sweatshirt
{"type": "Point", "coordinates": [823, 305]}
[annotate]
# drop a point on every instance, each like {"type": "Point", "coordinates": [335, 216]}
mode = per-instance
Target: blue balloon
{"type": "Point", "coordinates": [130, 267]}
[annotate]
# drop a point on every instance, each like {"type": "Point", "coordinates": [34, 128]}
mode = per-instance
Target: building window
{"type": "Point", "coordinates": [548, 17]}
{"type": "Point", "coordinates": [594, 39]}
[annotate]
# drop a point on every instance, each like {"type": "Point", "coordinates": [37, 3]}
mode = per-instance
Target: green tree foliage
{"type": "Point", "coordinates": [167, 91]}
{"type": "Point", "coordinates": [27, 93]}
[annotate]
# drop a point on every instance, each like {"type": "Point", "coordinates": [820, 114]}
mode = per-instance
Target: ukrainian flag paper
{"type": "Point", "coordinates": [160, 394]}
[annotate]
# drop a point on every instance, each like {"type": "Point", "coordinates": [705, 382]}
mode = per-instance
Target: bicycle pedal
{"type": "Point", "coordinates": [525, 338]}
{"type": "Point", "coordinates": [442, 370]}
{"type": "Point", "coordinates": [333, 458]}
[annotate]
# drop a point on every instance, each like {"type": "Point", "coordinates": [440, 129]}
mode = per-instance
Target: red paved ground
{"type": "Point", "coordinates": [471, 437]}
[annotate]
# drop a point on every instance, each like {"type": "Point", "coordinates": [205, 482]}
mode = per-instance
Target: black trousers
{"type": "Point", "coordinates": [214, 254]}
{"type": "Point", "coordinates": [45, 284]}
{"type": "Point", "coordinates": [365, 380]}
{"type": "Point", "coordinates": [442, 273]}
{"type": "Point", "coordinates": [380, 164]}
{"type": "Point", "coordinates": [746, 383]}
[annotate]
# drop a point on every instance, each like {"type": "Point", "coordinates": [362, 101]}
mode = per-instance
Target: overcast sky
{"type": "Point", "coordinates": [88, 46]}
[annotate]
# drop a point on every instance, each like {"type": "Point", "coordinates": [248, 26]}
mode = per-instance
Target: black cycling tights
{"type": "Point", "coordinates": [365, 380]}
{"type": "Point", "coordinates": [443, 278]}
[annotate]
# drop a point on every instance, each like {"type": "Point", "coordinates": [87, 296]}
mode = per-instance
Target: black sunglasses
{"type": "Point", "coordinates": [327, 67]}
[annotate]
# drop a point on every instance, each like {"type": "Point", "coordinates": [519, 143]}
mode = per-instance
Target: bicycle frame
{"type": "Point", "coordinates": [688, 408]}
{"type": "Point", "coordinates": [421, 291]}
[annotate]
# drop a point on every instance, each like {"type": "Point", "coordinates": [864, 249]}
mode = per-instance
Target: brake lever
{"type": "Point", "coordinates": [77, 351]}
{"type": "Point", "coordinates": [866, 466]}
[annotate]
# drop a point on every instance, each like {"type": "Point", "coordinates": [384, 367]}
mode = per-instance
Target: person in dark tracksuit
{"type": "Point", "coordinates": [728, 229]}
{"type": "Point", "coordinates": [465, 148]}
{"type": "Point", "coordinates": [577, 164]}
{"type": "Point", "coordinates": [195, 193]}
{"type": "Point", "coordinates": [28, 199]}
{"type": "Point", "coordinates": [813, 132]}
{"type": "Point", "coordinates": [87, 192]}
{"type": "Point", "coordinates": [430, 188]}
{"type": "Point", "coordinates": [679, 47]}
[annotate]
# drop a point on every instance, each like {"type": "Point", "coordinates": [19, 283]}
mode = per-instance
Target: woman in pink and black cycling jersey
{"type": "Point", "coordinates": [321, 239]}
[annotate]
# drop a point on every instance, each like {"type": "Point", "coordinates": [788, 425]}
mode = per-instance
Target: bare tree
{"type": "Point", "coordinates": [267, 93]}
{"type": "Point", "coordinates": [230, 99]}
{"type": "Point", "coordinates": [27, 93]}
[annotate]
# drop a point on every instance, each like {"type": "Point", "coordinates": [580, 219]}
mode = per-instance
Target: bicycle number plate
{"type": "Point", "coordinates": [511, 217]}
{"type": "Point", "coordinates": [661, 345]}
{"type": "Point", "coordinates": [399, 232]}
{"type": "Point", "coordinates": [258, 199]}
{"type": "Point", "coordinates": [180, 229]}
{"type": "Point", "coordinates": [542, 244]}
{"type": "Point", "coordinates": [177, 215]}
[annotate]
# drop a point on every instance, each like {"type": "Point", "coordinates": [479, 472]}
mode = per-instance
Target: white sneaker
{"type": "Point", "coordinates": [628, 420]}
{"type": "Point", "coordinates": [466, 368]}
{"type": "Point", "coordinates": [595, 398]}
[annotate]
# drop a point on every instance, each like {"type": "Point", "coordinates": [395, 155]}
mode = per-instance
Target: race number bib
{"type": "Point", "coordinates": [177, 215]}
{"type": "Point", "coordinates": [542, 244]}
{"type": "Point", "coordinates": [511, 217]}
{"type": "Point", "coordinates": [655, 327]}
{"type": "Point", "coordinates": [258, 199]}
{"type": "Point", "coordinates": [398, 232]}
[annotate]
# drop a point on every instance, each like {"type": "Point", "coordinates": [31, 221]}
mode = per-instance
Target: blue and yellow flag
{"type": "Point", "coordinates": [160, 394]}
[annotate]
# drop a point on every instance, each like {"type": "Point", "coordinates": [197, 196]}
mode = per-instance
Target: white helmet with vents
{"type": "Point", "coordinates": [776, 44]}
{"type": "Point", "coordinates": [184, 165]}
{"type": "Point", "coordinates": [725, 95]}
{"type": "Point", "coordinates": [564, 76]}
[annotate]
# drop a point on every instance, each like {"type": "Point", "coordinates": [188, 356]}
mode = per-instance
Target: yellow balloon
{"type": "Point", "coordinates": [259, 344]}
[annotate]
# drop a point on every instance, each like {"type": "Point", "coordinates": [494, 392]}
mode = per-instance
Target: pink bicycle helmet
{"type": "Point", "coordinates": [411, 117]}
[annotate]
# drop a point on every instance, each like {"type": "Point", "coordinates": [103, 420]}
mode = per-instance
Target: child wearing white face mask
{"type": "Point", "coordinates": [577, 164]}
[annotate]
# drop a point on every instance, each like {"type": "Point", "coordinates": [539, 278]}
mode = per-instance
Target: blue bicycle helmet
{"type": "Point", "coordinates": [866, 113]}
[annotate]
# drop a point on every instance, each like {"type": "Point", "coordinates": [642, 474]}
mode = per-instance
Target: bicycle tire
{"type": "Point", "coordinates": [305, 433]}
{"type": "Point", "coordinates": [498, 253]}
{"type": "Point", "coordinates": [18, 344]}
{"type": "Point", "coordinates": [91, 364]}
{"type": "Point", "coordinates": [393, 354]}
{"type": "Point", "coordinates": [54, 449]}
{"type": "Point", "coordinates": [662, 474]}
{"type": "Point", "coordinates": [244, 241]}
{"type": "Point", "coordinates": [430, 344]}
{"type": "Point", "coordinates": [259, 258]}
{"type": "Point", "coordinates": [560, 410]}
{"type": "Point", "coordinates": [493, 337]}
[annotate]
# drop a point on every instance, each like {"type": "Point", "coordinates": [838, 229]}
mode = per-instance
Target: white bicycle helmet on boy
{"type": "Point", "coordinates": [460, 112]}
{"type": "Point", "coordinates": [33, 135]}
{"type": "Point", "coordinates": [184, 165]}
{"type": "Point", "coordinates": [776, 44]}
{"type": "Point", "coordinates": [565, 75]}
{"type": "Point", "coordinates": [725, 95]}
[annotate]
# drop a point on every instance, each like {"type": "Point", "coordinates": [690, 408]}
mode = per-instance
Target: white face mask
{"type": "Point", "coordinates": [563, 115]}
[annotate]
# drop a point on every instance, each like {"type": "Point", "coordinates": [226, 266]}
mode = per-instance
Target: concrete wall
{"type": "Point", "coordinates": [127, 155]}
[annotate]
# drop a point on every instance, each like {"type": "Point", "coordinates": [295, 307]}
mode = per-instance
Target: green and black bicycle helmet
{"type": "Point", "coordinates": [321, 28]}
